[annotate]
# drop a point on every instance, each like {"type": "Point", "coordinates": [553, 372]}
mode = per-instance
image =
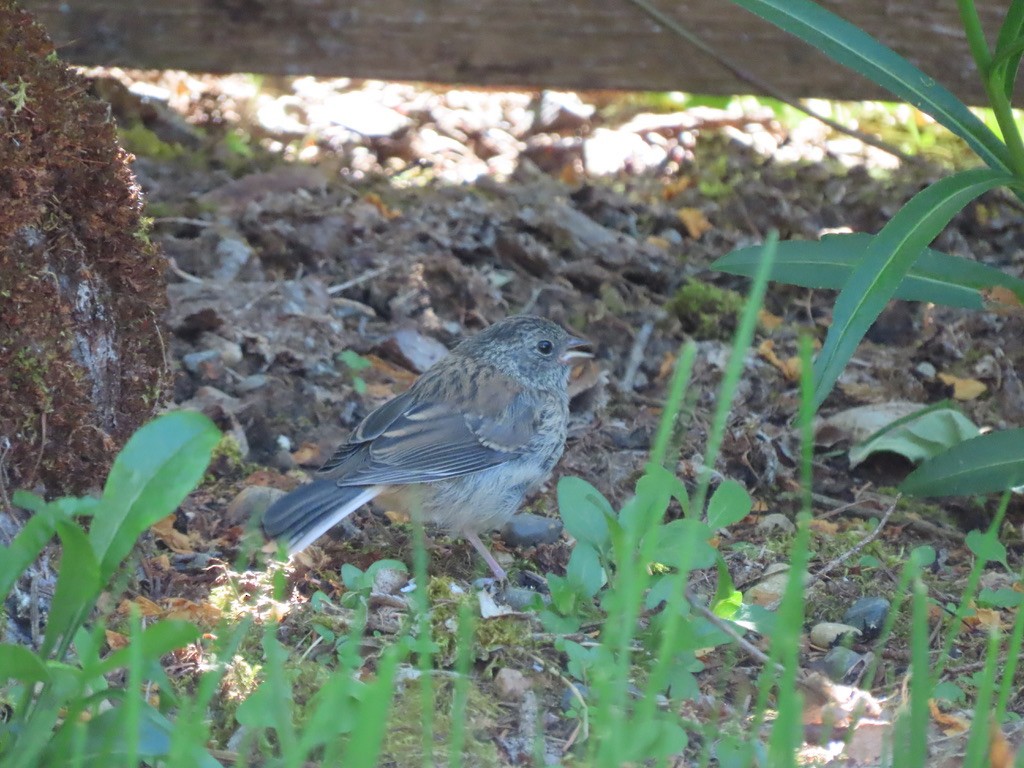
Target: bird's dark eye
{"type": "Point", "coordinates": [545, 347]}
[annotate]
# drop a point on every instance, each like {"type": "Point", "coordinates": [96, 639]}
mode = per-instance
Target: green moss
{"type": "Point", "coordinates": [706, 311]}
{"type": "Point", "coordinates": [227, 462]}
{"type": "Point", "coordinates": [142, 142]}
{"type": "Point", "coordinates": [403, 739]}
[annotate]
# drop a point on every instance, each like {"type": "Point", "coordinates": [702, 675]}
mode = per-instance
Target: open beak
{"type": "Point", "coordinates": [575, 349]}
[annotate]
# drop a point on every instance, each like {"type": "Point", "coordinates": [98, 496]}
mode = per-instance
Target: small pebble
{"type": "Point", "coordinates": [828, 633]}
{"type": "Point", "coordinates": [842, 665]}
{"type": "Point", "coordinates": [529, 530]}
{"type": "Point", "coordinates": [193, 361]}
{"type": "Point", "coordinates": [390, 581]}
{"type": "Point", "coordinates": [868, 615]}
{"type": "Point", "coordinates": [229, 351]}
{"type": "Point", "coordinates": [776, 522]}
{"type": "Point", "coordinates": [511, 684]}
{"type": "Point", "coordinates": [251, 383]}
{"type": "Point", "coordinates": [521, 598]}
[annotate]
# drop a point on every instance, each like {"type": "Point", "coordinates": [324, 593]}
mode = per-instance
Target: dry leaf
{"type": "Point", "coordinates": [767, 320]}
{"type": "Point", "coordinates": [676, 186]}
{"type": "Point", "coordinates": [1001, 300]}
{"type": "Point", "coordinates": [388, 213]}
{"type": "Point", "coordinates": [963, 389]}
{"type": "Point", "coordinates": [115, 640]}
{"type": "Point", "coordinates": [694, 220]}
{"type": "Point", "coordinates": [308, 454]}
{"type": "Point", "coordinates": [658, 242]}
{"type": "Point", "coordinates": [175, 540]}
{"type": "Point", "coordinates": [146, 606]}
{"type": "Point", "coordinates": [197, 613]}
{"type": "Point", "coordinates": [950, 724]}
{"type": "Point", "coordinates": [1000, 753]}
{"type": "Point", "coordinates": [790, 367]}
{"type": "Point", "coordinates": [984, 618]}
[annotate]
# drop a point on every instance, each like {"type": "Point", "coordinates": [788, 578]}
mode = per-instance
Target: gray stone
{"type": "Point", "coordinates": [529, 530]}
{"type": "Point", "coordinates": [868, 615]}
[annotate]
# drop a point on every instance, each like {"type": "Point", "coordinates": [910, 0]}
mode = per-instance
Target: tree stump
{"type": "Point", "coordinates": [82, 290]}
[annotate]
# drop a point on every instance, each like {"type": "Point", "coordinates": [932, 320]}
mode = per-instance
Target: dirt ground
{"type": "Point", "coordinates": [329, 239]}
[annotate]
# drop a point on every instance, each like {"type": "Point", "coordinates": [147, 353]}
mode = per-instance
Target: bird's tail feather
{"type": "Point", "coordinates": [304, 515]}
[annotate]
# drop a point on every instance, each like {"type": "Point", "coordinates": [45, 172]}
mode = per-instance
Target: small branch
{"type": "Point", "coordinates": [832, 565]}
{"type": "Point", "coordinates": [366, 276]}
{"type": "Point", "coordinates": [636, 356]}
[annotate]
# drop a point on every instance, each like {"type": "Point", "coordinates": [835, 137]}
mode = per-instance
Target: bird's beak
{"type": "Point", "coordinates": [573, 351]}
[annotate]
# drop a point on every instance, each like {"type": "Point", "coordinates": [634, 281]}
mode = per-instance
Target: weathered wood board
{"type": "Point", "coordinates": [571, 44]}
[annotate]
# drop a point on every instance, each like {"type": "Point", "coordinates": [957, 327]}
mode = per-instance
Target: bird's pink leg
{"type": "Point", "coordinates": [497, 570]}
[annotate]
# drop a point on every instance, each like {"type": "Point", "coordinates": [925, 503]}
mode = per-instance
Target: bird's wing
{"type": "Point", "coordinates": [414, 440]}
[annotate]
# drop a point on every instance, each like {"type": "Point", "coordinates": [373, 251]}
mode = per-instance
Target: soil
{"type": "Point", "coordinates": [307, 220]}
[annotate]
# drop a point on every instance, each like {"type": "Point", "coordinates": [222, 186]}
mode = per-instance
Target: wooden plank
{"type": "Point", "coordinates": [570, 44]}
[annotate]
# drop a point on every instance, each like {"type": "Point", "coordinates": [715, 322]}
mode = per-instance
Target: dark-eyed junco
{"type": "Point", "coordinates": [463, 446]}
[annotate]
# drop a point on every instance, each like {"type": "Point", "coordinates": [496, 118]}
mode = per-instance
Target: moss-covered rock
{"type": "Point", "coordinates": [81, 288]}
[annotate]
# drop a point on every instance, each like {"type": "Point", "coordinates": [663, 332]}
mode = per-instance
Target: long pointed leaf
{"type": "Point", "coordinates": [934, 276]}
{"type": "Point", "coordinates": [78, 586]}
{"type": "Point", "coordinates": [985, 464]}
{"type": "Point", "coordinates": [854, 48]}
{"type": "Point", "coordinates": [1009, 34]}
{"type": "Point", "coordinates": [151, 476]}
{"type": "Point", "coordinates": [887, 261]}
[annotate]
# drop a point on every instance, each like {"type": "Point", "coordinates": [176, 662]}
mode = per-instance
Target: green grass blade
{"type": "Point", "coordinates": [1009, 35]}
{"type": "Point", "coordinates": [852, 47]}
{"type": "Point", "coordinates": [78, 586]}
{"type": "Point", "coordinates": [984, 464]}
{"type": "Point", "coordinates": [977, 743]}
{"type": "Point", "coordinates": [887, 261]}
{"type": "Point", "coordinates": [734, 368]}
{"type": "Point", "coordinates": [934, 276]}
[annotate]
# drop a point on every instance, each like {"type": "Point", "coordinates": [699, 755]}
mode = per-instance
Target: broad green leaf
{"type": "Point", "coordinates": [156, 469]}
{"type": "Point", "coordinates": [78, 586]}
{"type": "Point", "coordinates": [852, 47]}
{"type": "Point", "coordinates": [934, 276]}
{"type": "Point", "coordinates": [919, 438]}
{"type": "Point", "coordinates": [986, 464]}
{"type": "Point", "coordinates": [729, 504]}
{"type": "Point", "coordinates": [684, 544]}
{"type": "Point", "coordinates": [19, 663]}
{"type": "Point", "coordinates": [1000, 598]}
{"type": "Point", "coordinates": [887, 261]}
{"type": "Point", "coordinates": [923, 556]}
{"type": "Point", "coordinates": [584, 511]}
{"type": "Point", "coordinates": [987, 546]}
{"type": "Point", "coordinates": [727, 599]}
{"type": "Point", "coordinates": [585, 571]}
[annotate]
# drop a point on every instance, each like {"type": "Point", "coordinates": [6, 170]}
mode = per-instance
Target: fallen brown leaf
{"type": "Point", "coordinates": [175, 540]}
{"type": "Point", "coordinates": [963, 389]}
{"type": "Point", "coordinates": [695, 221]}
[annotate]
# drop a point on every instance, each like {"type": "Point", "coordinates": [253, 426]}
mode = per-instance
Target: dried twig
{"type": "Point", "coordinates": [833, 564]}
{"type": "Point", "coordinates": [636, 356]}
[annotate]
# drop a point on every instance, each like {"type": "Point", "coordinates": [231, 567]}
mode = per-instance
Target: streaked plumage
{"type": "Point", "coordinates": [464, 445]}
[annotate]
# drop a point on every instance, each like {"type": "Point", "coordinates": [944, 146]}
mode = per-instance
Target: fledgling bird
{"type": "Point", "coordinates": [463, 446]}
